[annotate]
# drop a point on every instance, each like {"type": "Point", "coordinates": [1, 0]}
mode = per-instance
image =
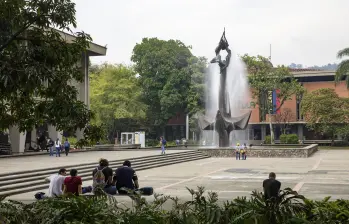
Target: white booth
{"type": "Point", "coordinates": [140, 138]}
{"type": "Point", "coordinates": [131, 138]}
{"type": "Point", "coordinates": [127, 138]}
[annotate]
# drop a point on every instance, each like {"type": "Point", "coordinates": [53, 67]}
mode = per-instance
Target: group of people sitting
{"type": "Point", "coordinates": [241, 151]}
{"type": "Point", "coordinates": [124, 181]}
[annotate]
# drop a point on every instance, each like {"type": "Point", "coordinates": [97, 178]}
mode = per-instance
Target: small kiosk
{"type": "Point", "coordinates": [127, 138]}
{"type": "Point", "coordinates": [133, 138]}
{"type": "Point", "coordinates": [140, 138]}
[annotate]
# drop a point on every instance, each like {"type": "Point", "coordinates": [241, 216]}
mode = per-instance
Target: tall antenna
{"type": "Point", "coordinates": [270, 52]}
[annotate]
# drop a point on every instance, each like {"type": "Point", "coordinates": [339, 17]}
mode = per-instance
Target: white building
{"type": "Point", "coordinates": [18, 140]}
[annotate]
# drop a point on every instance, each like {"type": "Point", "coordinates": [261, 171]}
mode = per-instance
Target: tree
{"type": "Point", "coordinates": [343, 67]}
{"type": "Point", "coordinates": [36, 64]}
{"type": "Point", "coordinates": [326, 112]}
{"type": "Point", "coordinates": [264, 79]}
{"type": "Point", "coordinates": [283, 119]}
{"type": "Point", "coordinates": [165, 77]}
{"type": "Point", "coordinates": [196, 94]}
{"type": "Point", "coordinates": [115, 96]}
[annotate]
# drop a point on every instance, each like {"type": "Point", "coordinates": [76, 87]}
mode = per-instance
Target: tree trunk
{"type": "Point", "coordinates": [271, 130]}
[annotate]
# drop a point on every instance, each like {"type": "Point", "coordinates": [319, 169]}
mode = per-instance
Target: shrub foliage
{"type": "Point", "coordinates": [289, 139]}
{"type": "Point", "coordinates": [203, 208]}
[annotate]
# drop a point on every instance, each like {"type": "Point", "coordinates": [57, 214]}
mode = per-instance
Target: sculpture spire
{"type": "Point", "coordinates": [223, 123]}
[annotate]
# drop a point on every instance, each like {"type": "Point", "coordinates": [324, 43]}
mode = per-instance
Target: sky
{"type": "Point", "coordinates": [308, 32]}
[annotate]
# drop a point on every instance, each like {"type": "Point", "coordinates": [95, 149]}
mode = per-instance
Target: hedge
{"type": "Point", "coordinates": [203, 208]}
{"type": "Point", "coordinates": [289, 139]}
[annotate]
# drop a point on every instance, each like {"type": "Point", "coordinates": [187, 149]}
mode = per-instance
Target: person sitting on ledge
{"type": "Point", "coordinates": [73, 184]}
{"type": "Point", "coordinates": [102, 177]}
{"type": "Point", "coordinates": [56, 183]}
{"type": "Point", "coordinates": [126, 181]}
{"type": "Point", "coordinates": [125, 178]}
{"type": "Point", "coordinates": [271, 187]}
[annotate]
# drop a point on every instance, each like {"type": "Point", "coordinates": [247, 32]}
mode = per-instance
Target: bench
{"type": "Point", "coordinates": [5, 149]}
{"type": "Point", "coordinates": [319, 142]}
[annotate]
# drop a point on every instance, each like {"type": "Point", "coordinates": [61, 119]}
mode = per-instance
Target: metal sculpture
{"type": "Point", "coordinates": [223, 123]}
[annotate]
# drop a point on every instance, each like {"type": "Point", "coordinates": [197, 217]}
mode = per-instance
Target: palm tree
{"type": "Point", "coordinates": [343, 67]}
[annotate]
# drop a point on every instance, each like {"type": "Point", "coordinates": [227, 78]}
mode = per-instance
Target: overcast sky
{"type": "Point", "coordinates": [308, 32]}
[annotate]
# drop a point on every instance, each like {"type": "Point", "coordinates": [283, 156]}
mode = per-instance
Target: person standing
{"type": "Point", "coordinates": [51, 144]}
{"type": "Point", "coordinates": [244, 156]}
{"type": "Point", "coordinates": [58, 147]}
{"type": "Point", "coordinates": [66, 147]}
{"type": "Point", "coordinates": [271, 186]}
{"type": "Point", "coordinates": [237, 151]}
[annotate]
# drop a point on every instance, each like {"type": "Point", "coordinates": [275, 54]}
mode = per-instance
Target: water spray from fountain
{"type": "Point", "coordinates": [226, 96]}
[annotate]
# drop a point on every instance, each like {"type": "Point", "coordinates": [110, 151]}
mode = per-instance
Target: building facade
{"type": "Point", "coordinates": [21, 141]}
{"type": "Point", "coordinates": [289, 116]}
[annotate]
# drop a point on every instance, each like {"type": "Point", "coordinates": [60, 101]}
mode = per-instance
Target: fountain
{"type": "Point", "coordinates": [219, 116]}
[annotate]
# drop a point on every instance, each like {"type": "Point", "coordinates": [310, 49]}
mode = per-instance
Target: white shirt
{"type": "Point", "coordinates": [56, 184]}
{"type": "Point", "coordinates": [58, 143]}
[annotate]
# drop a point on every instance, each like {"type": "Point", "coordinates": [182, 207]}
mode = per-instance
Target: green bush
{"type": "Point", "coordinates": [289, 139]}
{"type": "Point", "coordinates": [72, 141]}
{"type": "Point", "coordinates": [292, 139]}
{"type": "Point", "coordinates": [168, 143]}
{"type": "Point", "coordinates": [267, 139]}
{"type": "Point", "coordinates": [151, 142]}
{"type": "Point", "coordinates": [203, 208]}
{"type": "Point", "coordinates": [283, 138]}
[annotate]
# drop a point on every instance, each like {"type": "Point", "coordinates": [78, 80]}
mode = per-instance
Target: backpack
{"type": "Point", "coordinates": [164, 142]}
{"type": "Point", "coordinates": [99, 179]}
{"type": "Point", "coordinates": [39, 195]}
{"type": "Point", "coordinates": [66, 144]}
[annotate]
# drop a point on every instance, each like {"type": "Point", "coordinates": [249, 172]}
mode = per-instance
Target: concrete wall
{"type": "Point", "coordinates": [271, 152]}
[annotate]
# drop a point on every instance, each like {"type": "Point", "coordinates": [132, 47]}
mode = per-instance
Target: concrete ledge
{"type": "Point", "coordinates": [264, 152]}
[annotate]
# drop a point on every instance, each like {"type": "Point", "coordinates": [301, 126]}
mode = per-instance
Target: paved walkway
{"type": "Point", "coordinates": [325, 173]}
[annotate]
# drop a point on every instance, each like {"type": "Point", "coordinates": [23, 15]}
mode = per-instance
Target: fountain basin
{"type": "Point", "coordinates": [277, 151]}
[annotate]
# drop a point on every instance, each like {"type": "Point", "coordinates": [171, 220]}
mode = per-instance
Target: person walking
{"type": "Point", "coordinates": [66, 147]}
{"type": "Point", "coordinates": [51, 144]}
{"type": "Point", "coordinates": [58, 147]}
{"type": "Point", "coordinates": [163, 145]}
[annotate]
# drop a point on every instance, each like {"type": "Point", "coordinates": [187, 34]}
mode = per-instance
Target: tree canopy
{"type": "Point", "coordinates": [165, 77]}
{"type": "Point", "coordinates": [36, 64]}
{"type": "Point", "coordinates": [115, 94]}
{"type": "Point", "coordinates": [326, 112]}
{"type": "Point", "coordinates": [115, 97]}
{"type": "Point", "coordinates": [264, 78]}
{"type": "Point", "coordinates": [343, 67]}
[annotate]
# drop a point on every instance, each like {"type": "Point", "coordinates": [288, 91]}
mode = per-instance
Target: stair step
{"type": "Point", "coordinates": [34, 180]}
{"type": "Point", "coordinates": [6, 176]}
{"type": "Point", "coordinates": [6, 185]}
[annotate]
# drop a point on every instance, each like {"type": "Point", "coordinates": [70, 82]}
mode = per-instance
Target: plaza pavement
{"type": "Point", "coordinates": [326, 173]}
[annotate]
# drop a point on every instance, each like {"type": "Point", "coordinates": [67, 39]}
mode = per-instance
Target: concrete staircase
{"type": "Point", "coordinates": [34, 180]}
